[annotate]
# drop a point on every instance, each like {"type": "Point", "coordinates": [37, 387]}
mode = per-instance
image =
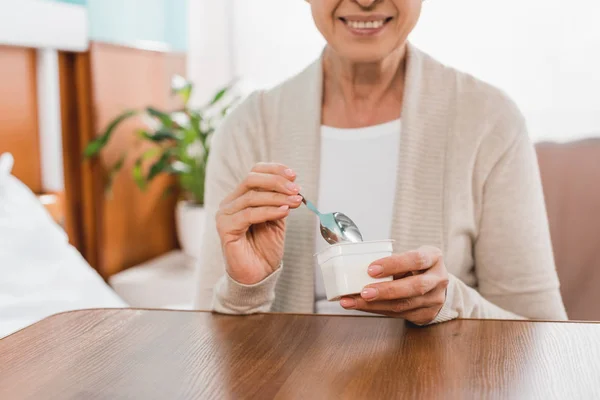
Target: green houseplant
{"type": "Point", "coordinates": [179, 147]}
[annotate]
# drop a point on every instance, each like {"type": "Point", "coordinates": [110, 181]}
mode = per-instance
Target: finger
{"type": "Point", "coordinates": [411, 286]}
{"type": "Point", "coordinates": [429, 310]}
{"type": "Point", "coordinates": [420, 316]}
{"type": "Point", "coordinates": [275, 169]}
{"type": "Point", "coordinates": [419, 310]}
{"type": "Point", "coordinates": [242, 220]}
{"type": "Point", "coordinates": [264, 182]}
{"type": "Point", "coordinates": [399, 264]}
{"type": "Point", "coordinates": [388, 307]}
{"type": "Point", "coordinates": [254, 198]}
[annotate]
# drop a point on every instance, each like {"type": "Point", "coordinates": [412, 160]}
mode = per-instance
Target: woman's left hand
{"type": "Point", "coordinates": [417, 293]}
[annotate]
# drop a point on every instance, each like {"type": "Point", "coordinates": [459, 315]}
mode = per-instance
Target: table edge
{"type": "Point", "coordinates": [85, 310]}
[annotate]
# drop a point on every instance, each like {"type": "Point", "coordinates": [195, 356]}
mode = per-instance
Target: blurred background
{"type": "Point", "coordinates": [133, 206]}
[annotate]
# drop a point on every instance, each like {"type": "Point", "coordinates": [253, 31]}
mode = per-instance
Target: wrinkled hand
{"type": "Point", "coordinates": [417, 293]}
{"type": "Point", "coordinates": [251, 222]}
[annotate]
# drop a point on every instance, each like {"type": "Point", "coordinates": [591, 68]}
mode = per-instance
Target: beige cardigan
{"type": "Point", "coordinates": [468, 183]}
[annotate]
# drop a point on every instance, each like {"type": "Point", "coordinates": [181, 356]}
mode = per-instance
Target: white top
{"type": "Point", "coordinates": [357, 177]}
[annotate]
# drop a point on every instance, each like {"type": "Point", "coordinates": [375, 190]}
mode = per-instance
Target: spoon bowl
{"type": "Point", "coordinates": [335, 227]}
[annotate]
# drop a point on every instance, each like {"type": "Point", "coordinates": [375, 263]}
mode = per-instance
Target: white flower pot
{"type": "Point", "coordinates": [190, 227]}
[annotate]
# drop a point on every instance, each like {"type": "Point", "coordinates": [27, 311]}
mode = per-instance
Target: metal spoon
{"type": "Point", "coordinates": [335, 227]}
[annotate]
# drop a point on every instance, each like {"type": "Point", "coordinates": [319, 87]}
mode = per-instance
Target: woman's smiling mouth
{"type": "Point", "coordinates": [365, 25]}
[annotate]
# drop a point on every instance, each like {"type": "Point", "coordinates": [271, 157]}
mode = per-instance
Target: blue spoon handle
{"type": "Point", "coordinates": [310, 206]}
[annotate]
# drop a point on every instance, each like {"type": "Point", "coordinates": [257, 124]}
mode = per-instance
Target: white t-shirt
{"type": "Point", "coordinates": [357, 177]}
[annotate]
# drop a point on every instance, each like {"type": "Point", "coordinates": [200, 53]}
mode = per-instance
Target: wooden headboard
{"type": "Point", "coordinates": [19, 113]}
{"type": "Point", "coordinates": [19, 133]}
{"type": "Point", "coordinates": [130, 226]}
{"type": "Point", "coordinates": [112, 233]}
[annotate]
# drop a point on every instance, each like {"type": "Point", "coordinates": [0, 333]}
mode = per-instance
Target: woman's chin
{"type": "Point", "coordinates": [358, 54]}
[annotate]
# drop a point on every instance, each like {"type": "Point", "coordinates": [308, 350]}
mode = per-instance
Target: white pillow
{"type": "Point", "coordinates": [40, 272]}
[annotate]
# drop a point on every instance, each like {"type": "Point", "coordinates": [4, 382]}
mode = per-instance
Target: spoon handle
{"type": "Point", "coordinates": [310, 206]}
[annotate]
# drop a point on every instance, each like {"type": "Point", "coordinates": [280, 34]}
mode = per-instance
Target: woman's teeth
{"type": "Point", "coordinates": [365, 24]}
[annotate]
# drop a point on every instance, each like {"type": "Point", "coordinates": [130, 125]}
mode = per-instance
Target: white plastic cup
{"type": "Point", "coordinates": [344, 266]}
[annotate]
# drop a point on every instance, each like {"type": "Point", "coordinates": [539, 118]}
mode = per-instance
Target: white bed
{"type": "Point", "coordinates": [40, 272]}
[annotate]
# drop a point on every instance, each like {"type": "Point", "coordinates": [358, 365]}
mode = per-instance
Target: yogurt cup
{"type": "Point", "coordinates": [344, 266]}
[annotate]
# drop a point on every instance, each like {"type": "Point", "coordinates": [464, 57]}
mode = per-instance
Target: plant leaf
{"type": "Point", "coordinates": [230, 106]}
{"type": "Point", "coordinates": [181, 87]}
{"type": "Point", "coordinates": [137, 172]}
{"type": "Point", "coordinates": [186, 93]}
{"type": "Point", "coordinates": [195, 120]}
{"type": "Point", "coordinates": [161, 165]}
{"type": "Point", "coordinates": [192, 182]}
{"type": "Point", "coordinates": [219, 96]}
{"type": "Point", "coordinates": [169, 191]}
{"type": "Point", "coordinates": [138, 175]}
{"type": "Point", "coordinates": [94, 147]}
{"type": "Point", "coordinates": [118, 165]}
{"type": "Point", "coordinates": [153, 152]}
{"type": "Point", "coordinates": [164, 118]}
{"type": "Point", "coordinates": [112, 172]}
{"type": "Point", "coordinates": [159, 136]}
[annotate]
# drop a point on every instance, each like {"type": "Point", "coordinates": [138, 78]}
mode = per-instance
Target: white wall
{"type": "Point", "coordinates": [544, 53]}
{"type": "Point", "coordinates": [209, 61]}
{"type": "Point", "coordinates": [273, 39]}
{"type": "Point", "coordinates": [261, 42]}
{"type": "Point", "coordinates": [42, 24]}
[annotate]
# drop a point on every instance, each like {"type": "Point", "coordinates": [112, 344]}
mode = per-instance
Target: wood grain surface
{"type": "Point", "coordinates": [141, 354]}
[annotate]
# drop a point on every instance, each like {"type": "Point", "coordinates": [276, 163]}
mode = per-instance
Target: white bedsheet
{"type": "Point", "coordinates": [40, 272]}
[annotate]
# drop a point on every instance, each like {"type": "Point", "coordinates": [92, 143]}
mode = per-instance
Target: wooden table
{"type": "Point", "coordinates": [119, 354]}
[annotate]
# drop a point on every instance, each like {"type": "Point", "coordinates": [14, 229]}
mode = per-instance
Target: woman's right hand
{"type": "Point", "coordinates": [251, 222]}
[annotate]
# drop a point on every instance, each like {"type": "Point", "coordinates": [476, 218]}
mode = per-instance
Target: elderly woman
{"type": "Point", "coordinates": [411, 150]}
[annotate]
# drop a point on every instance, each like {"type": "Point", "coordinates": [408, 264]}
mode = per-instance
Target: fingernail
{"type": "Point", "coordinates": [369, 293]}
{"type": "Point", "coordinates": [293, 187]}
{"type": "Point", "coordinates": [284, 208]}
{"type": "Point", "coordinates": [375, 270]}
{"type": "Point", "coordinates": [348, 303]}
{"type": "Point", "coordinates": [295, 199]}
{"type": "Point", "coordinates": [289, 173]}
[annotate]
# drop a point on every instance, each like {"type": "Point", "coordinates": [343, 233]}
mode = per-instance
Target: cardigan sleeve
{"type": "Point", "coordinates": [514, 261]}
{"type": "Point", "coordinates": [235, 148]}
